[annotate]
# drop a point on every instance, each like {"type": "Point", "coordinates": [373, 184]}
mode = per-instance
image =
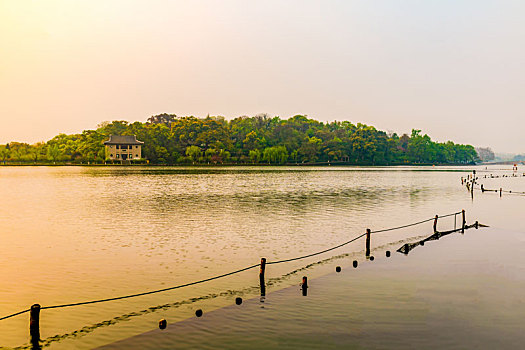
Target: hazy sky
{"type": "Point", "coordinates": [455, 69]}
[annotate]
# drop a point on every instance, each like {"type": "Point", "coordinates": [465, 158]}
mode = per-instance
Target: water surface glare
{"type": "Point", "coordinates": [73, 234]}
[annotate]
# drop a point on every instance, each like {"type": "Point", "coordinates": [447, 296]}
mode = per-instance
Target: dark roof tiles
{"type": "Point", "coordinates": [123, 140]}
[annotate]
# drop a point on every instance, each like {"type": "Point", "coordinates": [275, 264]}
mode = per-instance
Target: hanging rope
{"type": "Point", "coordinates": [220, 276]}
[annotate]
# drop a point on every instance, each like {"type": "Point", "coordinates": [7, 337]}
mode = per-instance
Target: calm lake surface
{"type": "Point", "coordinates": [72, 234]}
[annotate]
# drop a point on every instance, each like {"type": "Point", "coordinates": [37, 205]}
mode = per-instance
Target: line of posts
{"type": "Point", "coordinates": [34, 315]}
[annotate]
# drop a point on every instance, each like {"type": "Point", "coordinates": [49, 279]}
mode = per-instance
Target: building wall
{"type": "Point", "coordinates": [116, 154]}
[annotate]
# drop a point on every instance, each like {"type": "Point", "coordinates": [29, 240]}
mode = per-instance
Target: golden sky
{"type": "Point", "coordinates": [451, 68]}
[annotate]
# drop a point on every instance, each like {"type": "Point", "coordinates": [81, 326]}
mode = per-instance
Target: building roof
{"type": "Point", "coordinates": [123, 140]}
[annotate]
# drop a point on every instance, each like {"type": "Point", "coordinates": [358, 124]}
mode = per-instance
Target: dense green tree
{"type": "Point", "coordinates": [4, 153]}
{"type": "Point", "coordinates": [194, 153]}
{"type": "Point", "coordinates": [37, 152]}
{"type": "Point", "coordinates": [163, 118]}
{"type": "Point", "coordinates": [53, 153]}
{"type": "Point", "coordinates": [275, 155]}
{"type": "Point", "coordinates": [169, 139]}
{"type": "Point", "coordinates": [255, 156]}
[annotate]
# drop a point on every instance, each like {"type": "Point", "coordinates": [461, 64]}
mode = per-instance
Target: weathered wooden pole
{"type": "Point", "coordinates": [261, 276]}
{"type": "Point", "coordinates": [304, 286]}
{"type": "Point", "coordinates": [368, 242]}
{"type": "Point", "coordinates": [477, 225]}
{"type": "Point", "coordinates": [34, 325]}
{"type": "Point", "coordinates": [463, 222]}
{"type": "Point", "coordinates": [482, 188]}
{"type": "Point", "coordinates": [500, 190]}
{"type": "Point", "coordinates": [436, 223]}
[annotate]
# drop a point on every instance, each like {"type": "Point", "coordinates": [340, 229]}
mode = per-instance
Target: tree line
{"type": "Point", "coordinates": [261, 139]}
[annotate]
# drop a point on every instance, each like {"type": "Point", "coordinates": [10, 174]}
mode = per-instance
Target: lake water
{"type": "Point", "coordinates": [72, 234]}
{"type": "Point", "coordinates": [464, 291]}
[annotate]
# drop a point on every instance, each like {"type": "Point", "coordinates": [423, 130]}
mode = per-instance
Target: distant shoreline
{"type": "Point", "coordinates": [200, 165]}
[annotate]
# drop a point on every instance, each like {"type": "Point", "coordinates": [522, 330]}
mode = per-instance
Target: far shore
{"type": "Point", "coordinates": [252, 164]}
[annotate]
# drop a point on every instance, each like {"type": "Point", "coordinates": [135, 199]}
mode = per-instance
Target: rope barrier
{"type": "Point", "coordinates": [502, 191]}
{"type": "Point", "coordinates": [15, 314]}
{"type": "Point", "coordinates": [314, 254]}
{"type": "Point", "coordinates": [223, 275]}
{"type": "Point", "coordinates": [471, 183]}
{"type": "Point", "coordinates": [513, 176]}
{"type": "Point", "coordinates": [414, 224]}
{"type": "Point", "coordinates": [150, 292]}
{"type": "Point", "coordinates": [483, 190]}
{"type": "Point", "coordinates": [407, 247]}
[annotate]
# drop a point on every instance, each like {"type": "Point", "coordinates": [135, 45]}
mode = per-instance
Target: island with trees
{"type": "Point", "coordinates": [261, 139]}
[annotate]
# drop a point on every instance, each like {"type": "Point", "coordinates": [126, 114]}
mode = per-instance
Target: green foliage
{"type": "Point", "coordinates": [4, 153]}
{"type": "Point", "coordinates": [53, 153]}
{"type": "Point", "coordinates": [275, 155]}
{"type": "Point", "coordinates": [169, 139]}
{"type": "Point", "coordinates": [255, 156]}
{"type": "Point", "coordinates": [194, 153]}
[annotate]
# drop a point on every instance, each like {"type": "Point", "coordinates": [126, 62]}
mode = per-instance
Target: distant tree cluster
{"type": "Point", "coordinates": [485, 154]}
{"type": "Point", "coordinates": [519, 158]}
{"type": "Point", "coordinates": [261, 139]}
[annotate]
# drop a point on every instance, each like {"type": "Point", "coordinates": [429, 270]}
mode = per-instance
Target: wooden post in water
{"type": "Point", "coordinates": [482, 188]}
{"type": "Point", "coordinates": [368, 242]}
{"type": "Point", "coordinates": [436, 223]}
{"type": "Point", "coordinates": [34, 325]}
{"type": "Point", "coordinates": [304, 286]}
{"type": "Point", "coordinates": [261, 277]}
{"type": "Point", "coordinates": [500, 190]}
{"type": "Point", "coordinates": [463, 222]}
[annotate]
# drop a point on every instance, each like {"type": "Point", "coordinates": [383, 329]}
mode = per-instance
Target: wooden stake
{"type": "Point", "coordinates": [435, 223]}
{"type": "Point", "coordinates": [304, 286]}
{"type": "Point", "coordinates": [261, 276]}
{"type": "Point", "coordinates": [34, 324]}
{"type": "Point", "coordinates": [368, 242]}
{"type": "Point", "coordinates": [463, 222]}
{"type": "Point", "coordinates": [263, 267]}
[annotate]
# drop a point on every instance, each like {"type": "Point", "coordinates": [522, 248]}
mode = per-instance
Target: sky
{"type": "Point", "coordinates": [454, 69]}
